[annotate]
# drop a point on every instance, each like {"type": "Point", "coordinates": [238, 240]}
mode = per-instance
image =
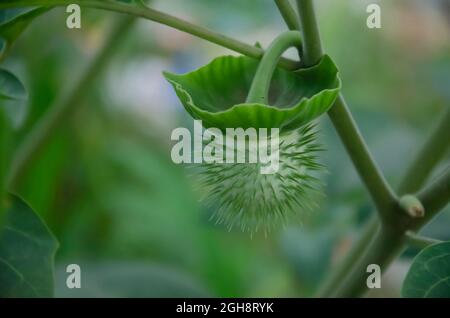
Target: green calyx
{"type": "Point", "coordinates": [226, 93]}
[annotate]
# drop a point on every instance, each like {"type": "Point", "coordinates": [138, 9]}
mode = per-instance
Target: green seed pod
{"type": "Point", "coordinates": [239, 92]}
{"type": "Point", "coordinates": [240, 195]}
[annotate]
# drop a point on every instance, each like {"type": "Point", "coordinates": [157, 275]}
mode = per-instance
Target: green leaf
{"type": "Point", "coordinates": [429, 275]}
{"type": "Point", "coordinates": [13, 97]}
{"type": "Point", "coordinates": [129, 279]}
{"type": "Point", "coordinates": [13, 22]}
{"type": "Point", "coordinates": [5, 133]}
{"type": "Point", "coordinates": [27, 250]}
{"type": "Point", "coordinates": [216, 94]}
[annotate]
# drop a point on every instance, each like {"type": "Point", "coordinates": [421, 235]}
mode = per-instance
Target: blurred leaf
{"type": "Point", "coordinates": [27, 250]}
{"type": "Point", "coordinates": [128, 279]}
{"type": "Point", "coordinates": [13, 22]}
{"type": "Point", "coordinates": [429, 275]}
{"type": "Point", "coordinates": [13, 97]}
{"type": "Point", "coordinates": [5, 133]}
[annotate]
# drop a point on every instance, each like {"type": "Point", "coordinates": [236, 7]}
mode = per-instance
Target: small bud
{"type": "Point", "coordinates": [412, 206]}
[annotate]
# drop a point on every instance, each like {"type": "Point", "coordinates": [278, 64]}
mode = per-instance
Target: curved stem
{"type": "Point", "coordinates": [259, 90]}
{"type": "Point", "coordinates": [156, 16]}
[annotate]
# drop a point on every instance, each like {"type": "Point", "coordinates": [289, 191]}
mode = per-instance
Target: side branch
{"type": "Point", "coordinates": [159, 17]}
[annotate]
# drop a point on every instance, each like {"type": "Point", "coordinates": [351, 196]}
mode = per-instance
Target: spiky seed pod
{"type": "Point", "coordinates": [242, 93]}
{"type": "Point", "coordinates": [241, 196]}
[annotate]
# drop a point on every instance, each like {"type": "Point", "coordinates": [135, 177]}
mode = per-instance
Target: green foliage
{"type": "Point", "coordinates": [429, 275]}
{"type": "Point", "coordinates": [27, 250]}
{"type": "Point", "coordinates": [4, 160]}
{"type": "Point", "coordinates": [13, 22]}
{"type": "Point", "coordinates": [216, 94]}
{"type": "Point", "coordinates": [13, 97]}
{"type": "Point", "coordinates": [134, 205]}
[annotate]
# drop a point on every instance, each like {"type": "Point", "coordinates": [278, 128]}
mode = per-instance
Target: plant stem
{"type": "Point", "coordinates": [312, 45]}
{"type": "Point", "coordinates": [288, 14]}
{"type": "Point", "coordinates": [259, 90]}
{"type": "Point", "coordinates": [388, 238]}
{"type": "Point", "coordinates": [419, 241]}
{"type": "Point", "coordinates": [380, 191]}
{"type": "Point", "coordinates": [438, 144]}
{"type": "Point", "coordinates": [56, 116]}
{"type": "Point", "coordinates": [160, 17]}
{"type": "Point", "coordinates": [343, 121]}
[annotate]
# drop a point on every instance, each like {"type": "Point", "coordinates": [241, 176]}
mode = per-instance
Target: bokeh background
{"type": "Point", "coordinates": [121, 209]}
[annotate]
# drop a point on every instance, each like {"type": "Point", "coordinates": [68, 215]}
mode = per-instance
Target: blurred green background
{"type": "Point", "coordinates": [121, 209]}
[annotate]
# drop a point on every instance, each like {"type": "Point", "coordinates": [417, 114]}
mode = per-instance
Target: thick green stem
{"type": "Point", "coordinates": [259, 90]}
{"type": "Point", "coordinates": [160, 17]}
{"type": "Point", "coordinates": [57, 114]}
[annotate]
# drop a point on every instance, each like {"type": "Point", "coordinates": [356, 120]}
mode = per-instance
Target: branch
{"type": "Point", "coordinates": [160, 17]}
{"type": "Point", "coordinates": [419, 241]}
{"type": "Point", "coordinates": [312, 44]}
{"type": "Point", "coordinates": [380, 191]}
{"type": "Point", "coordinates": [40, 135]}
{"type": "Point", "coordinates": [288, 14]}
{"type": "Point", "coordinates": [433, 150]}
{"type": "Point", "coordinates": [290, 17]}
